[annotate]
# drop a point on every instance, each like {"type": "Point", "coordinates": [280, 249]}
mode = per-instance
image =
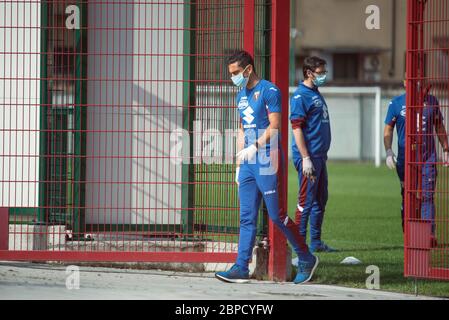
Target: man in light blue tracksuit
{"type": "Point", "coordinates": [312, 138]}
{"type": "Point", "coordinates": [259, 106]}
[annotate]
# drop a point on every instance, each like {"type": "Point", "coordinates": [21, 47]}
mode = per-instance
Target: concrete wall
{"type": "Point", "coordinates": [142, 103]}
{"type": "Point", "coordinates": [19, 103]}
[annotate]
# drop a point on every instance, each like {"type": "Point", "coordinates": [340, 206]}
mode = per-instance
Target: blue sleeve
{"type": "Point", "coordinates": [438, 116]}
{"type": "Point", "coordinates": [298, 109]}
{"type": "Point", "coordinates": [432, 100]}
{"type": "Point", "coordinates": [391, 115]}
{"type": "Point", "coordinates": [272, 97]}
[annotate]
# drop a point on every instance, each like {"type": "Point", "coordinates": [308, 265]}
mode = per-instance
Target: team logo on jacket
{"type": "Point", "coordinates": [317, 102]}
{"type": "Point", "coordinates": [248, 115]}
{"type": "Point", "coordinates": [403, 111]}
{"type": "Point", "coordinates": [256, 95]}
{"type": "Point", "coordinates": [243, 103]}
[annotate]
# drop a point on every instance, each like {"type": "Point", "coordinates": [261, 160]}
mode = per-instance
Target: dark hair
{"type": "Point", "coordinates": [243, 58]}
{"type": "Point", "coordinates": [312, 63]}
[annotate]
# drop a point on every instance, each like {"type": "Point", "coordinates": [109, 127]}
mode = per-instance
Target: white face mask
{"type": "Point", "coordinates": [239, 80]}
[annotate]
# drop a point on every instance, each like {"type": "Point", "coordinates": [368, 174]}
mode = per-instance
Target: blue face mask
{"type": "Point", "coordinates": [239, 80]}
{"type": "Point", "coordinates": [319, 80]}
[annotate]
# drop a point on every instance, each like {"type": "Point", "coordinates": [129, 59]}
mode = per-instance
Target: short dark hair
{"type": "Point", "coordinates": [312, 63]}
{"type": "Point", "coordinates": [243, 58]}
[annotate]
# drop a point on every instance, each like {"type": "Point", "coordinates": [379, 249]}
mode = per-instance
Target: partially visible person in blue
{"type": "Point", "coordinates": [259, 106]}
{"type": "Point", "coordinates": [432, 122]}
{"type": "Point", "coordinates": [312, 138]}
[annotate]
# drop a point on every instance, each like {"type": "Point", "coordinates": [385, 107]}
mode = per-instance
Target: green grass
{"type": "Point", "coordinates": [363, 220]}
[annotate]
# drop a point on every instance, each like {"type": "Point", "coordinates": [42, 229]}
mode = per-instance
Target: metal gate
{"type": "Point", "coordinates": [427, 177]}
{"type": "Point", "coordinates": [118, 127]}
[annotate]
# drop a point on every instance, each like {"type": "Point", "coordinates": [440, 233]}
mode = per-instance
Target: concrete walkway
{"type": "Point", "coordinates": [39, 281]}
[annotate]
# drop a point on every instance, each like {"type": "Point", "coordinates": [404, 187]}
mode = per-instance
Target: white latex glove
{"type": "Point", "coordinates": [391, 159]}
{"type": "Point", "coordinates": [446, 159]}
{"type": "Point", "coordinates": [247, 153]}
{"type": "Point", "coordinates": [237, 172]}
{"type": "Point", "coordinates": [307, 167]}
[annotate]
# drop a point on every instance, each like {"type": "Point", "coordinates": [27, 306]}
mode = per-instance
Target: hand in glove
{"type": "Point", "coordinates": [247, 153]}
{"type": "Point", "coordinates": [307, 168]}
{"type": "Point", "coordinates": [391, 159]}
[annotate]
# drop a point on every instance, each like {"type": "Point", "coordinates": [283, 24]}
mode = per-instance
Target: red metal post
{"type": "Point", "coordinates": [4, 228]}
{"type": "Point", "coordinates": [411, 74]}
{"type": "Point", "coordinates": [249, 26]}
{"type": "Point", "coordinates": [418, 102]}
{"type": "Point", "coordinates": [279, 71]}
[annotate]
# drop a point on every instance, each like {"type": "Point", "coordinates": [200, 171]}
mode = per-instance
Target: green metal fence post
{"type": "Point", "coordinates": [79, 168]}
{"type": "Point", "coordinates": [188, 170]}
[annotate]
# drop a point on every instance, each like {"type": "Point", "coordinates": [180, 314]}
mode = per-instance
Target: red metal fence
{"type": "Point", "coordinates": [96, 98]}
{"type": "Point", "coordinates": [427, 177]}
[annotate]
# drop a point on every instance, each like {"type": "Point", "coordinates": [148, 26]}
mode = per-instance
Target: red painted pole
{"type": "Point", "coordinates": [279, 70]}
{"type": "Point", "coordinates": [249, 26]}
{"type": "Point", "coordinates": [4, 228]}
{"type": "Point", "coordinates": [408, 69]}
{"type": "Point", "coordinates": [411, 173]}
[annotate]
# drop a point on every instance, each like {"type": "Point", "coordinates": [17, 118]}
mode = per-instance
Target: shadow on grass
{"type": "Point", "coordinates": [367, 249]}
